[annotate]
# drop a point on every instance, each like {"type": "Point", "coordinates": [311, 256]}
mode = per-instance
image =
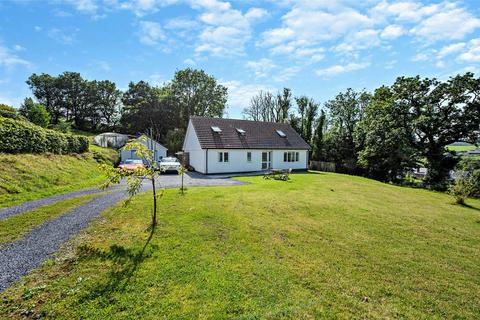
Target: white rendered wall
{"type": "Point", "coordinates": [238, 160]}
{"type": "Point", "coordinates": [192, 146]}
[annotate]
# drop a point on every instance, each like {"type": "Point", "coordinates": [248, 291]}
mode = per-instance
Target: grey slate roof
{"type": "Point", "coordinates": [259, 135]}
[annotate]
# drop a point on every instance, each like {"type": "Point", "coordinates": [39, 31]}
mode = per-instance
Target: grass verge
{"type": "Point", "coordinates": [15, 227]}
{"type": "Point", "coordinates": [318, 246]}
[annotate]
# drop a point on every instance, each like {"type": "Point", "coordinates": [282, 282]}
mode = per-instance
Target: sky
{"type": "Point", "coordinates": [316, 48]}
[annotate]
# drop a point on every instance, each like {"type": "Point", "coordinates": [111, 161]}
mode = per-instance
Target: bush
{"type": "Point", "coordinates": [23, 137]}
{"type": "Point", "coordinates": [466, 185]}
{"type": "Point", "coordinates": [8, 112]}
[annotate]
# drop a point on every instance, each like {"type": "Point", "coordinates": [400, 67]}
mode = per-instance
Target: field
{"type": "Point", "coordinates": [318, 246]}
{"type": "Point", "coordinates": [461, 148]}
{"type": "Point", "coordinates": [26, 177]}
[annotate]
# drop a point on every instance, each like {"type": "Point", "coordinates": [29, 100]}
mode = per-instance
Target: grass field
{"type": "Point", "coordinates": [318, 246]}
{"type": "Point", "coordinates": [461, 148]}
{"type": "Point", "coordinates": [26, 177]}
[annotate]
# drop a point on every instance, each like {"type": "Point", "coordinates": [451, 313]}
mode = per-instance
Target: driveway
{"type": "Point", "coordinates": [194, 179]}
{"type": "Point", "coordinates": [20, 257]}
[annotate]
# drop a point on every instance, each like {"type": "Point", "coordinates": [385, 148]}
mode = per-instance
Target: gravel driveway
{"type": "Point", "coordinates": [20, 257]}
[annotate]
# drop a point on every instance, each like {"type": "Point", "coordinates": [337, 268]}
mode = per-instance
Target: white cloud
{"type": "Point", "coordinates": [18, 47]}
{"type": "Point", "coordinates": [88, 6]}
{"type": "Point", "coordinates": [10, 60]}
{"type": "Point", "coordinates": [151, 33]}
{"type": "Point", "coordinates": [181, 23]}
{"type": "Point", "coordinates": [286, 74]}
{"type": "Point", "coordinates": [363, 39]}
{"type": "Point", "coordinates": [392, 31]}
{"type": "Point", "coordinates": [422, 56]}
{"type": "Point", "coordinates": [453, 48]}
{"type": "Point", "coordinates": [472, 54]}
{"type": "Point", "coordinates": [189, 62]}
{"type": "Point", "coordinates": [143, 7]}
{"type": "Point", "coordinates": [226, 30]}
{"type": "Point", "coordinates": [449, 22]}
{"type": "Point", "coordinates": [61, 36]}
{"type": "Point", "coordinates": [37, 28]}
{"type": "Point", "coordinates": [239, 94]}
{"type": "Point", "coordinates": [339, 69]}
{"type": "Point", "coordinates": [261, 68]}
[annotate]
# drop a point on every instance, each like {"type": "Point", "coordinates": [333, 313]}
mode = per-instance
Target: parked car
{"type": "Point", "coordinates": [170, 164]}
{"type": "Point", "coordinates": [131, 164]}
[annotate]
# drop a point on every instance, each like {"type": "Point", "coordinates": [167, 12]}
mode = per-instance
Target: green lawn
{"type": "Point", "coordinates": [15, 227]}
{"type": "Point", "coordinates": [26, 177]}
{"type": "Point", "coordinates": [318, 246]}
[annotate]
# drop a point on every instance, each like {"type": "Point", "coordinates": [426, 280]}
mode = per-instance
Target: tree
{"type": "Point", "coordinates": [345, 111]}
{"type": "Point", "coordinates": [318, 139]}
{"type": "Point", "coordinates": [439, 113]}
{"type": "Point", "coordinates": [310, 114]}
{"type": "Point", "coordinates": [382, 140]}
{"type": "Point", "coordinates": [284, 103]}
{"type": "Point", "coordinates": [108, 102]}
{"type": "Point", "coordinates": [135, 177]}
{"type": "Point", "coordinates": [48, 91]}
{"type": "Point", "coordinates": [302, 103]}
{"type": "Point", "coordinates": [262, 107]}
{"type": "Point", "coordinates": [195, 93]}
{"type": "Point", "coordinates": [146, 110]}
{"type": "Point", "coordinates": [173, 140]}
{"type": "Point", "coordinates": [35, 112]}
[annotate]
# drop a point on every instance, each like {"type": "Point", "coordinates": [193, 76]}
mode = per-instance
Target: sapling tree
{"type": "Point", "coordinates": [181, 171]}
{"type": "Point", "coordinates": [135, 177]}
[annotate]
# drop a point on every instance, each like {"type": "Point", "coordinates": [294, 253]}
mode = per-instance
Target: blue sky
{"type": "Point", "coordinates": [317, 48]}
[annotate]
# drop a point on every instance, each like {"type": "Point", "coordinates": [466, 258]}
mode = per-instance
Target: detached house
{"type": "Point", "coordinates": [216, 145]}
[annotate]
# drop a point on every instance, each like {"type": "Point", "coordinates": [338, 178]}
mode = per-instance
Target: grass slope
{"type": "Point", "coordinates": [319, 246]}
{"type": "Point", "coordinates": [26, 177]}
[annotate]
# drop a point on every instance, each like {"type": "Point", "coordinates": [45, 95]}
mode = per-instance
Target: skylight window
{"type": "Point", "coordinates": [216, 129]}
{"type": "Point", "coordinates": [281, 133]}
{"type": "Point", "coordinates": [241, 131]}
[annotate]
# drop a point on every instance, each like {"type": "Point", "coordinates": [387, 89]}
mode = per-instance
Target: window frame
{"type": "Point", "coordinates": [249, 156]}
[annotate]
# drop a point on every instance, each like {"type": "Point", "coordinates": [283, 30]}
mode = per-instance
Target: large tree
{"type": "Point", "coordinates": [439, 113]}
{"type": "Point", "coordinates": [146, 110]}
{"type": "Point", "coordinates": [345, 111]}
{"type": "Point", "coordinates": [383, 140]}
{"type": "Point", "coordinates": [195, 93]}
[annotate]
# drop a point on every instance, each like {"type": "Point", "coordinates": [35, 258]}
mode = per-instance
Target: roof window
{"type": "Point", "coordinates": [241, 131]}
{"type": "Point", "coordinates": [216, 129]}
{"type": "Point", "coordinates": [281, 133]}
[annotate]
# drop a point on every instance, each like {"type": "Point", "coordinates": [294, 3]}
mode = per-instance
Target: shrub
{"type": "Point", "coordinates": [35, 113]}
{"type": "Point", "coordinates": [8, 112]}
{"type": "Point", "coordinates": [23, 137]}
{"type": "Point", "coordinates": [466, 185]}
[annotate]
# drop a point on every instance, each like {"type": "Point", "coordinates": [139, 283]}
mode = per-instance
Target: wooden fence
{"type": "Point", "coordinates": [322, 166]}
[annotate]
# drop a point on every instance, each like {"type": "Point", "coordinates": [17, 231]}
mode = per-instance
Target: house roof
{"type": "Point", "coordinates": [257, 135]}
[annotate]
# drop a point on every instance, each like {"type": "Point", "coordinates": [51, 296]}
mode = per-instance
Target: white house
{"type": "Point", "coordinates": [216, 145]}
{"type": "Point", "coordinates": [159, 151]}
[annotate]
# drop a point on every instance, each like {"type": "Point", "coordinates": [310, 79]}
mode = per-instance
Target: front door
{"type": "Point", "coordinates": [266, 160]}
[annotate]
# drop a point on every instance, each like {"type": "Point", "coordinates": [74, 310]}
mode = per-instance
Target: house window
{"type": "Point", "coordinates": [290, 156]}
{"type": "Point", "coordinates": [223, 157]}
{"type": "Point", "coordinates": [249, 157]}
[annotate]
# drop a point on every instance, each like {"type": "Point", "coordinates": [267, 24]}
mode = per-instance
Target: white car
{"type": "Point", "coordinates": [170, 164]}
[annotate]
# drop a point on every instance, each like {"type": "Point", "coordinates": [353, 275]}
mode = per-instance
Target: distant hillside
{"type": "Point", "coordinates": [32, 176]}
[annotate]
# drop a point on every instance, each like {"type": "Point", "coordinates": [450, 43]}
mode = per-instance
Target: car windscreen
{"type": "Point", "coordinates": [169, 160]}
{"type": "Point", "coordinates": [133, 161]}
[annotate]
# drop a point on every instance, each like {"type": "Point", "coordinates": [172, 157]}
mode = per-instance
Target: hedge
{"type": "Point", "coordinates": [18, 136]}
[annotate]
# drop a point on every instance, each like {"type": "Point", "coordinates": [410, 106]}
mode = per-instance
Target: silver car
{"type": "Point", "coordinates": [170, 164]}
